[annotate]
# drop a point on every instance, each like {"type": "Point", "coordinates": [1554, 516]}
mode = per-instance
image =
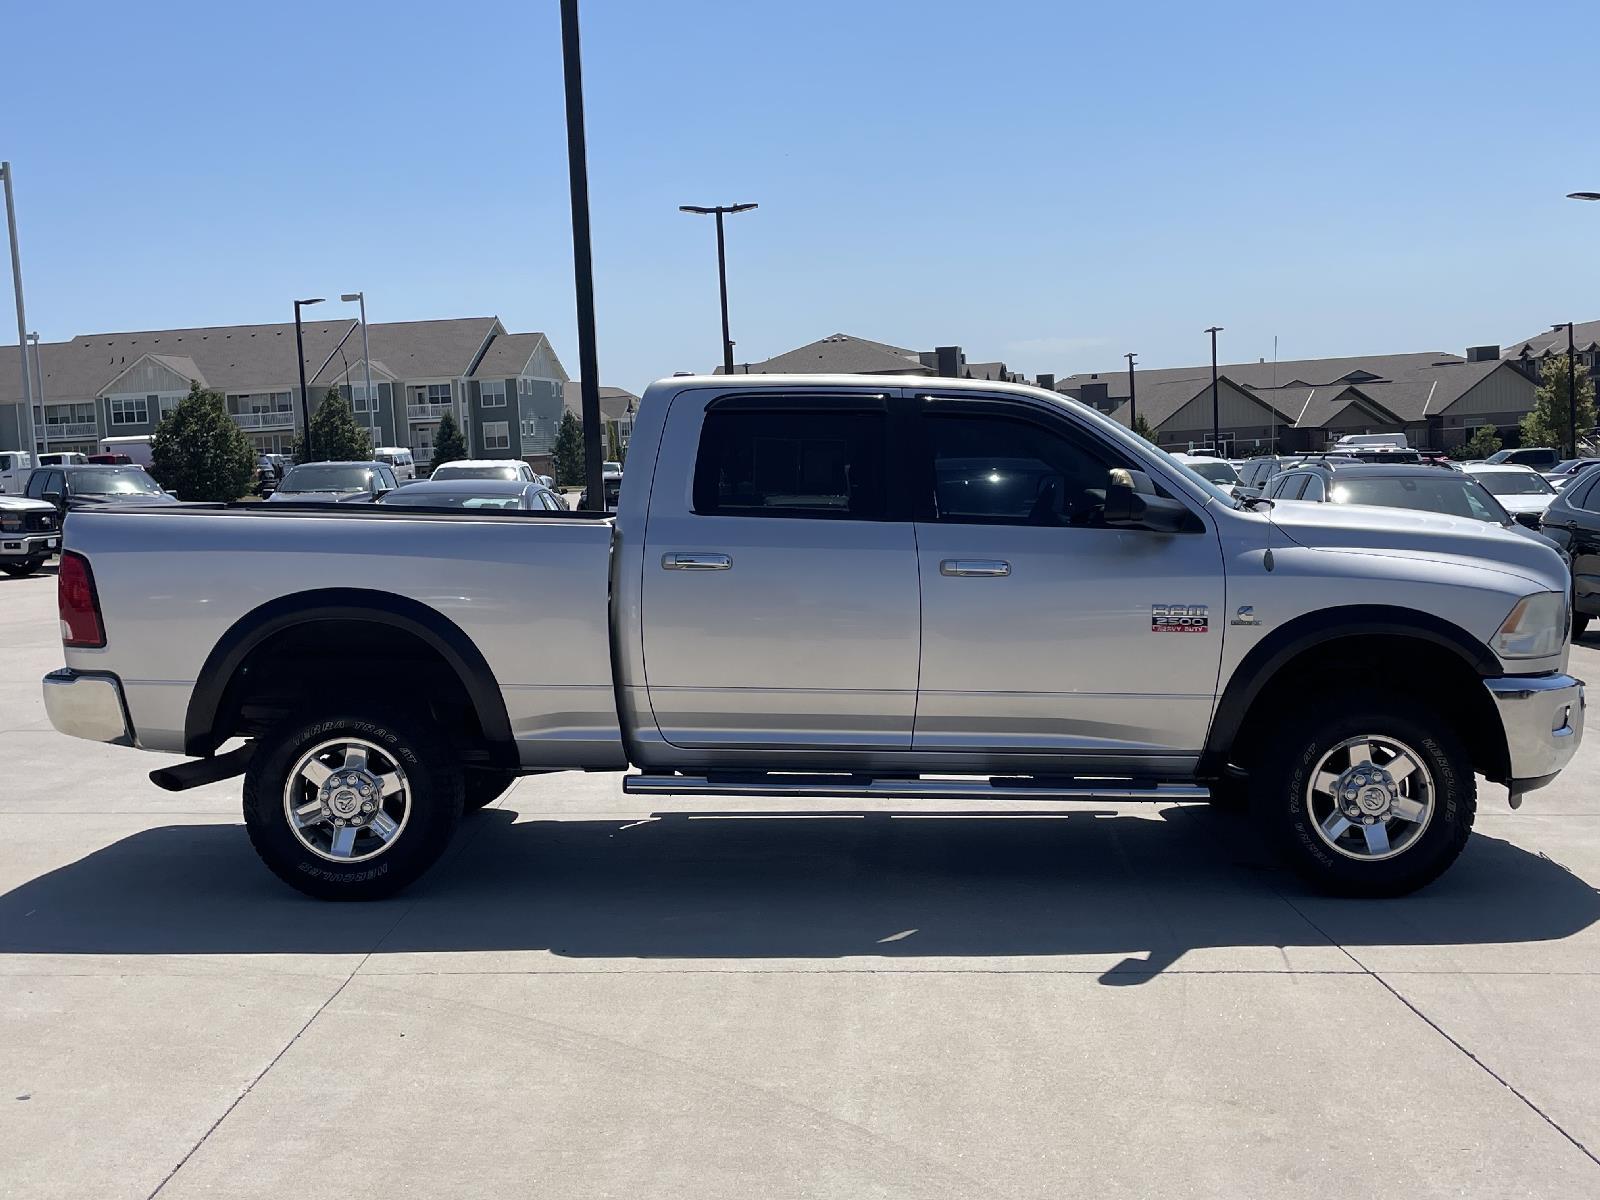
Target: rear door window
{"type": "Point", "coordinates": [754, 463]}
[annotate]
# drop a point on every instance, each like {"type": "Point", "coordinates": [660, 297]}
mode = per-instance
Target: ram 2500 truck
{"type": "Point", "coordinates": [836, 586]}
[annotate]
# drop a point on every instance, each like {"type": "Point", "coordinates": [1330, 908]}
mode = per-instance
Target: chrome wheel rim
{"type": "Point", "coordinates": [1370, 798]}
{"type": "Point", "coordinates": [347, 800]}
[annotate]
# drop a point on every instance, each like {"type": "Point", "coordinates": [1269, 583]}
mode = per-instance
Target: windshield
{"type": "Point", "coordinates": [1215, 471]}
{"type": "Point", "coordinates": [450, 471]}
{"type": "Point", "coordinates": [1454, 495]}
{"type": "Point", "coordinates": [318, 478]}
{"type": "Point", "coordinates": [1515, 483]}
{"type": "Point", "coordinates": [463, 499]}
{"type": "Point", "coordinates": [132, 482]}
{"type": "Point", "coordinates": [614, 467]}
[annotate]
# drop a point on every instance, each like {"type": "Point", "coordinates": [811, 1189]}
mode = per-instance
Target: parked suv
{"type": "Point", "coordinates": [30, 532]}
{"type": "Point", "coordinates": [1393, 485]}
{"type": "Point", "coordinates": [1540, 458]}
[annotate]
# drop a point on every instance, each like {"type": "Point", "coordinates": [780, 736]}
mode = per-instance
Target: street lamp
{"type": "Point", "coordinates": [22, 315]}
{"type": "Point", "coordinates": [1216, 422]}
{"type": "Point", "coordinates": [1133, 404]}
{"type": "Point", "coordinates": [719, 211]}
{"type": "Point", "coordinates": [366, 354]}
{"type": "Point", "coordinates": [300, 357]}
{"type": "Point", "coordinates": [1583, 195]}
{"type": "Point", "coordinates": [1572, 388]}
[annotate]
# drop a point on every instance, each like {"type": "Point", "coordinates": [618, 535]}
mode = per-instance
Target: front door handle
{"type": "Point", "coordinates": [696, 562]}
{"type": "Point", "coordinates": [970, 568]}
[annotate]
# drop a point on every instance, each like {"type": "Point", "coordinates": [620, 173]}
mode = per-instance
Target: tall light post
{"type": "Point", "coordinates": [300, 358]}
{"type": "Point", "coordinates": [1133, 403]}
{"type": "Point", "coordinates": [366, 356]}
{"type": "Point", "coordinates": [22, 314]}
{"type": "Point", "coordinates": [1572, 387]}
{"type": "Point", "coordinates": [1216, 418]}
{"type": "Point", "coordinates": [719, 211]}
{"type": "Point", "coordinates": [582, 255]}
{"type": "Point", "coordinates": [38, 384]}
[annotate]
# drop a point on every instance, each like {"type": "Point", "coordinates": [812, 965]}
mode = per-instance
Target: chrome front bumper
{"type": "Point", "coordinates": [1543, 720]}
{"type": "Point", "coordinates": [29, 545]}
{"type": "Point", "coordinates": [87, 705]}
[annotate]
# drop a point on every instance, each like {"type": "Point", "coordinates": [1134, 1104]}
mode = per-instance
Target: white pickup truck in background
{"type": "Point", "coordinates": [834, 586]}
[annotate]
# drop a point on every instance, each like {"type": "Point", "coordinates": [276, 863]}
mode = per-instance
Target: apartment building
{"type": "Point", "coordinates": [504, 389]}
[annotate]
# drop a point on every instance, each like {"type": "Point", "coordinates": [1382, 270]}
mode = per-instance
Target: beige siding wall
{"type": "Point", "coordinates": [1235, 410]}
{"type": "Point", "coordinates": [1506, 390]}
{"type": "Point", "coordinates": [149, 377]}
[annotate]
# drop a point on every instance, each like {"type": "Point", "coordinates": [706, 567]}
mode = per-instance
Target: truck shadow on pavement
{"type": "Point", "coordinates": [1143, 889]}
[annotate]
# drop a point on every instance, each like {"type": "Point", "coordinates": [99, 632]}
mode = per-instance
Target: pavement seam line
{"type": "Point", "coordinates": [276, 1058]}
{"type": "Point", "coordinates": [1437, 1028]}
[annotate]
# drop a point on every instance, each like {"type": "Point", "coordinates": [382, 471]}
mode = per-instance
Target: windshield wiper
{"type": "Point", "coordinates": [1251, 502]}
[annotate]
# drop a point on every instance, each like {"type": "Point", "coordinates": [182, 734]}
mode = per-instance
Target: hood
{"type": "Point", "coordinates": [316, 497]}
{"type": "Point", "coordinates": [129, 498]}
{"type": "Point", "coordinates": [1405, 533]}
{"type": "Point", "coordinates": [23, 504]}
{"type": "Point", "coordinates": [1525, 504]}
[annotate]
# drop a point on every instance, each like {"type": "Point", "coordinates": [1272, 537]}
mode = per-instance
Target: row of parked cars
{"type": "Point", "coordinates": [1530, 490]}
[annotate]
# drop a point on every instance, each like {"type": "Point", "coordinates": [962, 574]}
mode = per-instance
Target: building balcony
{"type": "Point", "coordinates": [264, 420]}
{"type": "Point", "coordinates": [429, 412]}
{"type": "Point", "coordinates": [71, 429]}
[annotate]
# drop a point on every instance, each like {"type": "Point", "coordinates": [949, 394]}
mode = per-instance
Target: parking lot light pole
{"type": "Point", "coordinates": [1133, 403]}
{"type": "Point", "coordinates": [300, 357]}
{"type": "Point", "coordinates": [582, 255]}
{"type": "Point", "coordinates": [366, 355]}
{"type": "Point", "coordinates": [719, 211]}
{"type": "Point", "coordinates": [22, 315]}
{"type": "Point", "coordinates": [1216, 420]}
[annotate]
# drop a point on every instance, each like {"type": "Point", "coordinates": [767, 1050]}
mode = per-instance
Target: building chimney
{"type": "Point", "coordinates": [1047, 382]}
{"type": "Point", "coordinates": [948, 359]}
{"type": "Point", "coordinates": [1482, 353]}
{"type": "Point", "coordinates": [1096, 395]}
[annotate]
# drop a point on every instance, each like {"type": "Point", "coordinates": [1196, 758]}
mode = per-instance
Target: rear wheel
{"type": "Point", "coordinates": [1366, 797]}
{"type": "Point", "coordinates": [350, 805]}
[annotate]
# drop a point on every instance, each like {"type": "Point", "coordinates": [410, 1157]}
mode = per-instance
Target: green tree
{"type": "Point", "coordinates": [199, 453]}
{"type": "Point", "coordinates": [335, 436]}
{"type": "Point", "coordinates": [1485, 440]}
{"type": "Point", "coordinates": [448, 444]}
{"type": "Point", "coordinates": [1546, 423]}
{"type": "Point", "coordinates": [569, 451]}
{"type": "Point", "coordinates": [1142, 428]}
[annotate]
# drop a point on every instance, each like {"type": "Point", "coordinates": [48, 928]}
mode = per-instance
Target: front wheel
{"type": "Point", "coordinates": [1580, 624]}
{"type": "Point", "coordinates": [1376, 799]}
{"type": "Point", "coordinates": [350, 805]}
{"type": "Point", "coordinates": [18, 570]}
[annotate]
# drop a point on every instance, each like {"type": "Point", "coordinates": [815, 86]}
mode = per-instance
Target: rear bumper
{"type": "Point", "coordinates": [88, 705]}
{"type": "Point", "coordinates": [29, 545]}
{"type": "Point", "coordinates": [1542, 716]}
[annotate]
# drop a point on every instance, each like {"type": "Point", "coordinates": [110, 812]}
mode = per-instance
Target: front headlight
{"type": "Point", "coordinates": [1536, 628]}
{"type": "Point", "coordinates": [11, 523]}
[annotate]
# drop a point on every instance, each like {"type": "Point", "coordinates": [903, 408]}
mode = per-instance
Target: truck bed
{"type": "Point", "coordinates": [528, 590]}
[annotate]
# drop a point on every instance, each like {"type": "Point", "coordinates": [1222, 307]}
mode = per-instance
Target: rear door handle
{"type": "Point", "coordinates": [696, 562]}
{"type": "Point", "coordinates": [970, 568]}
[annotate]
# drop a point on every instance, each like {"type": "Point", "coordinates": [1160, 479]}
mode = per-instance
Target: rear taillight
{"type": "Point", "coordinates": [78, 603]}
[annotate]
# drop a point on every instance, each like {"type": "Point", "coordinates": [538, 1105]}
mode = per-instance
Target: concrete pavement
{"type": "Point", "coordinates": [594, 996]}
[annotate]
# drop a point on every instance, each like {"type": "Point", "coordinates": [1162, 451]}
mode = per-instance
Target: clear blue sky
{"type": "Point", "coordinates": [1051, 184]}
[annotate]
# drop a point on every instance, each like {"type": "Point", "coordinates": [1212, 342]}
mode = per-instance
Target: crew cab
{"type": "Point", "coordinates": [842, 586]}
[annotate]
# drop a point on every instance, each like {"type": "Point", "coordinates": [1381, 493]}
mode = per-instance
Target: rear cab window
{"type": "Point", "coordinates": [823, 462]}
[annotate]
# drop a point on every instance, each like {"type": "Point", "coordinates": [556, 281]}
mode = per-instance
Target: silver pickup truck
{"type": "Point", "coordinates": [835, 586]}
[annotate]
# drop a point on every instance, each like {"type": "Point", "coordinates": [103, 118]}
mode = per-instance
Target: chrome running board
{"type": "Point", "coordinates": [944, 787]}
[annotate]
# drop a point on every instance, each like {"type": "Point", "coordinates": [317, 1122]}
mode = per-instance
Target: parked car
{"type": "Point", "coordinates": [30, 532]}
{"type": "Point", "coordinates": [1259, 470]}
{"type": "Point", "coordinates": [485, 468]}
{"type": "Point", "coordinates": [1417, 487]}
{"type": "Point", "coordinates": [1371, 441]}
{"type": "Point", "coordinates": [1572, 520]}
{"type": "Point", "coordinates": [334, 483]}
{"type": "Point", "coordinates": [400, 461]}
{"type": "Point", "coordinates": [62, 458]}
{"type": "Point", "coordinates": [74, 488]}
{"type": "Point", "coordinates": [1568, 469]}
{"type": "Point", "coordinates": [1215, 470]}
{"type": "Point", "coordinates": [1522, 491]}
{"type": "Point", "coordinates": [611, 480]}
{"type": "Point", "coordinates": [15, 466]}
{"type": "Point", "coordinates": [509, 494]}
{"type": "Point", "coordinates": [1540, 458]}
{"type": "Point", "coordinates": [112, 460]}
{"type": "Point", "coordinates": [779, 610]}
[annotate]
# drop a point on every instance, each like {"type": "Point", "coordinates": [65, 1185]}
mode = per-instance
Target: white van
{"type": "Point", "coordinates": [398, 457]}
{"type": "Point", "coordinates": [63, 458]}
{"type": "Point", "coordinates": [14, 468]}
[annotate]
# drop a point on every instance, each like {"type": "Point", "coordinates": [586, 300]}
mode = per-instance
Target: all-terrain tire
{"type": "Point", "coordinates": [1283, 804]}
{"type": "Point", "coordinates": [404, 746]}
{"type": "Point", "coordinates": [22, 569]}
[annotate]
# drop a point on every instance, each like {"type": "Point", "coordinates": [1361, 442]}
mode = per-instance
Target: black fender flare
{"type": "Point", "coordinates": [1292, 639]}
{"type": "Point", "coordinates": [428, 625]}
